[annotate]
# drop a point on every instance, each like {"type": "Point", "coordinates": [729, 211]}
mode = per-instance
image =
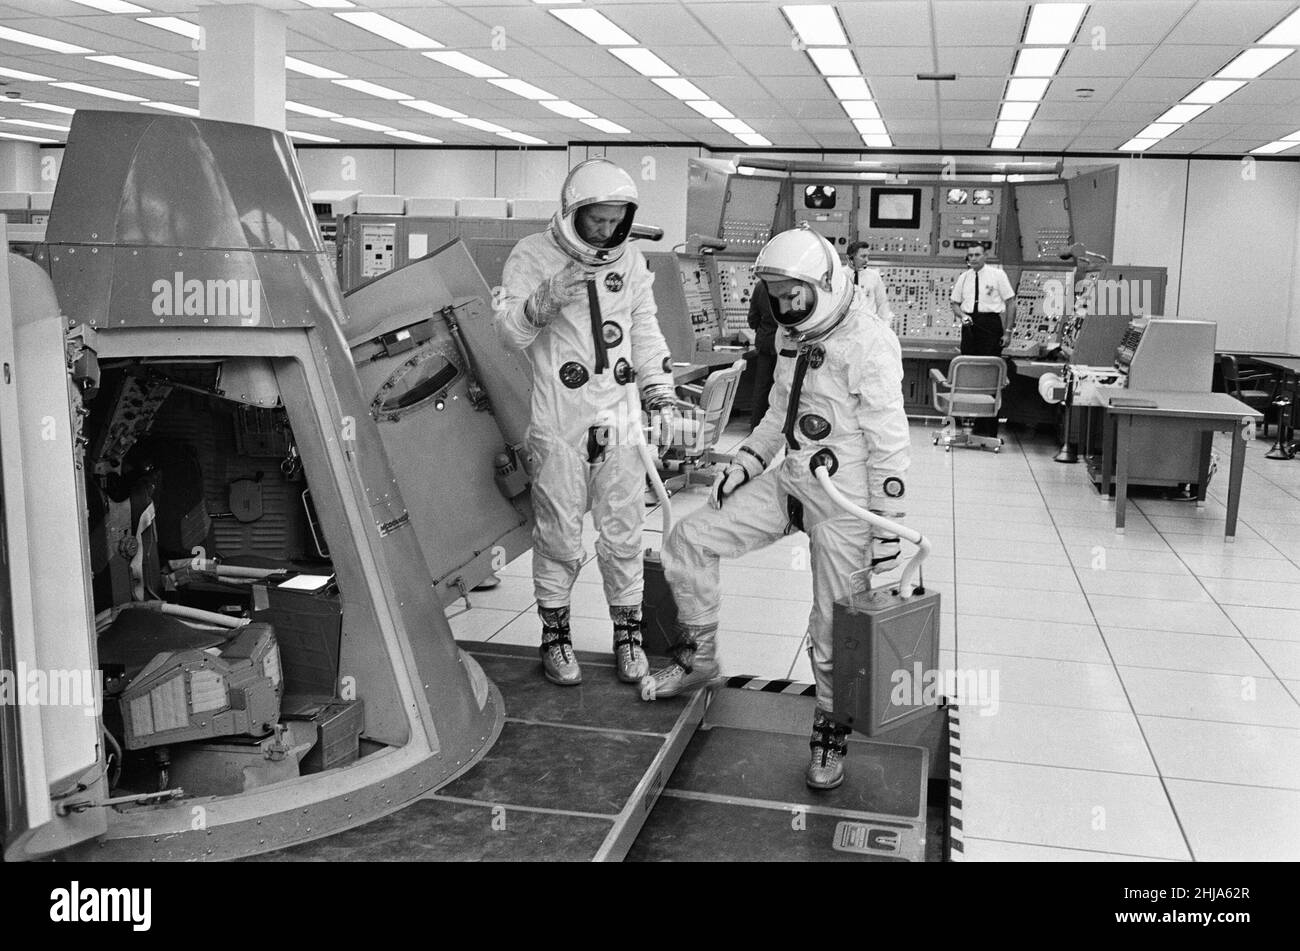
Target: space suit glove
{"type": "Point", "coordinates": [746, 466]}
{"type": "Point", "coordinates": [545, 303]}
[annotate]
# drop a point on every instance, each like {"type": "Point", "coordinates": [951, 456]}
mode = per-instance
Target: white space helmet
{"type": "Point", "coordinates": [594, 182]}
{"type": "Point", "coordinates": [801, 254]}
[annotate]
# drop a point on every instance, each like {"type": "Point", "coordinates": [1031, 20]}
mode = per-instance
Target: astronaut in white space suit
{"type": "Point", "coordinates": [577, 300]}
{"type": "Point", "coordinates": [837, 399]}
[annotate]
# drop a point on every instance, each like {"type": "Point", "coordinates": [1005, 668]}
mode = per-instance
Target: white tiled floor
{"type": "Point", "coordinates": [1147, 683]}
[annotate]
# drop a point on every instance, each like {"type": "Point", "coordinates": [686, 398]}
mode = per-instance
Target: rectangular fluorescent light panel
{"type": "Point", "coordinates": [174, 25]}
{"type": "Point", "coordinates": [466, 64]}
{"type": "Point", "coordinates": [1038, 62]}
{"type": "Point", "coordinates": [36, 125]}
{"type": "Point", "coordinates": [24, 138]}
{"type": "Point", "coordinates": [311, 69]}
{"type": "Point", "coordinates": [1054, 24]}
{"type": "Point", "coordinates": [172, 107]}
{"type": "Point", "coordinates": [754, 139]}
{"type": "Point", "coordinates": [112, 6]}
{"type": "Point", "coordinates": [27, 77]}
{"type": "Point", "coordinates": [817, 24]}
{"type": "Point", "coordinates": [521, 88]}
{"type": "Point", "coordinates": [849, 87]}
{"type": "Point", "coordinates": [595, 26]}
{"type": "Point", "coordinates": [604, 125]}
{"type": "Point", "coordinates": [710, 109]}
{"type": "Point", "coordinates": [311, 137]}
{"type": "Point", "coordinates": [878, 141]}
{"type": "Point", "coordinates": [1137, 145]}
{"type": "Point", "coordinates": [390, 30]}
{"type": "Point", "coordinates": [1010, 128]}
{"type": "Point", "coordinates": [1018, 111]}
{"type": "Point", "coordinates": [309, 110]}
{"type": "Point", "coordinates": [681, 88]}
{"type": "Point", "coordinates": [568, 109]}
{"type": "Point", "coordinates": [49, 107]}
{"type": "Point", "coordinates": [41, 42]}
{"type": "Point", "coordinates": [860, 109]}
{"type": "Point", "coordinates": [870, 126]}
{"type": "Point", "coordinates": [372, 89]}
{"type": "Point", "coordinates": [1213, 90]}
{"type": "Point", "coordinates": [413, 137]}
{"type": "Point", "coordinates": [1181, 114]}
{"type": "Point", "coordinates": [1005, 142]}
{"type": "Point", "coordinates": [522, 137]}
{"type": "Point", "coordinates": [1273, 148]}
{"type": "Point", "coordinates": [835, 62]}
{"type": "Point", "coordinates": [1026, 90]}
{"type": "Point", "coordinates": [97, 91]}
{"type": "Point", "coordinates": [121, 62]}
{"type": "Point", "coordinates": [362, 124]}
{"type": "Point", "coordinates": [1251, 64]}
{"type": "Point", "coordinates": [433, 109]}
{"type": "Point", "coordinates": [482, 124]}
{"type": "Point", "coordinates": [734, 126]}
{"type": "Point", "coordinates": [1286, 33]}
{"type": "Point", "coordinates": [643, 61]}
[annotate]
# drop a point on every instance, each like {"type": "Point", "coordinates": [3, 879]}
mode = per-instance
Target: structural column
{"type": "Point", "coordinates": [241, 65]}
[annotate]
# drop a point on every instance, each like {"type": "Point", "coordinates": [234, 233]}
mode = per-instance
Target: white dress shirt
{"type": "Point", "coordinates": [869, 294]}
{"type": "Point", "coordinates": [995, 290]}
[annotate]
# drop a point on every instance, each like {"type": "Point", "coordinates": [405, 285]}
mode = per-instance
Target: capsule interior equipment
{"type": "Point", "coordinates": [246, 502]}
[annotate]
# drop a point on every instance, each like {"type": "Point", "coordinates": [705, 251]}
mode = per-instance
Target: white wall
{"type": "Point", "coordinates": [1239, 250]}
{"type": "Point", "coordinates": [1149, 218]}
{"type": "Point", "coordinates": [20, 168]}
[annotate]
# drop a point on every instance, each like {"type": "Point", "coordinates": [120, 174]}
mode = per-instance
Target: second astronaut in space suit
{"type": "Point", "coordinates": [577, 300]}
{"type": "Point", "coordinates": [837, 391]}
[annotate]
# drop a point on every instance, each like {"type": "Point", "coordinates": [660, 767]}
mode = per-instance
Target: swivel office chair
{"type": "Point", "coordinates": [1242, 386]}
{"type": "Point", "coordinates": [707, 409]}
{"type": "Point", "coordinates": [971, 390]}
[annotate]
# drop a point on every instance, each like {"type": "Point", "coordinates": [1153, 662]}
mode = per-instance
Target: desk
{"type": "Point", "coordinates": [1206, 413]}
{"type": "Point", "coordinates": [689, 373]}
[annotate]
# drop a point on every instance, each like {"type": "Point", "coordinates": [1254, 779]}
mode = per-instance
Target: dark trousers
{"type": "Point", "coordinates": [983, 338]}
{"type": "Point", "coordinates": [764, 373]}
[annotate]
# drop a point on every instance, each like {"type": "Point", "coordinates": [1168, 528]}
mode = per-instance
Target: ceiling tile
{"type": "Point", "coordinates": [979, 22]}
{"type": "Point", "coordinates": [1131, 21]}
{"type": "Point", "coordinates": [886, 23]}
{"type": "Point", "coordinates": [754, 24]}
{"type": "Point", "coordinates": [1193, 62]}
{"type": "Point", "coordinates": [977, 60]}
{"type": "Point", "coordinates": [1084, 61]}
{"type": "Point", "coordinates": [895, 61]}
{"type": "Point", "coordinates": [1239, 22]}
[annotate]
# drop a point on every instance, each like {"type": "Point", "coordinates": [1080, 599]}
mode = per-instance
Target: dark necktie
{"type": "Point", "coordinates": [792, 404]}
{"type": "Point", "coordinates": [975, 275]}
{"type": "Point", "coordinates": [597, 336]}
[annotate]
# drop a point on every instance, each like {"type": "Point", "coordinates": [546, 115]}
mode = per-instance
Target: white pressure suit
{"type": "Point", "coordinates": [579, 454]}
{"type": "Point", "coordinates": [838, 388]}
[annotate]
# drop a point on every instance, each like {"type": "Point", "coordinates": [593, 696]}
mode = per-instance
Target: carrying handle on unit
{"type": "Point", "coordinates": [879, 521]}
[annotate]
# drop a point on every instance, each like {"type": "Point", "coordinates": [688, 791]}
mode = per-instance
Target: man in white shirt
{"type": "Point", "coordinates": [869, 289]}
{"type": "Point", "coordinates": [985, 303]}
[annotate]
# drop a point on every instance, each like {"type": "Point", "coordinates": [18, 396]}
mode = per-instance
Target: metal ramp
{"type": "Point", "coordinates": [572, 777]}
{"type": "Point", "coordinates": [738, 793]}
{"type": "Point", "coordinates": [590, 773]}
